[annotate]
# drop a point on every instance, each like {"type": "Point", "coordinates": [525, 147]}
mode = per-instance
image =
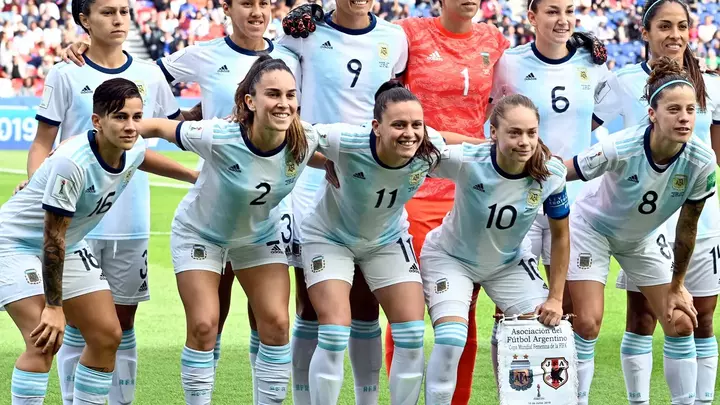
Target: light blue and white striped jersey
{"type": "Point", "coordinates": [67, 102]}
{"type": "Point", "coordinates": [493, 209]}
{"type": "Point", "coordinates": [634, 195]}
{"type": "Point", "coordinates": [232, 201]}
{"type": "Point", "coordinates": [74, 182]}
{"type": "Point", "coordinates": [369, 206]}
{"type": "Point", "coordinates": [631, 105]}
{"type": "Point", "coordinates": [562, 89]}
{"type": "Point", "coordinates": [218, 66]}
{"type": "Point", "coordinates": [341, 71]}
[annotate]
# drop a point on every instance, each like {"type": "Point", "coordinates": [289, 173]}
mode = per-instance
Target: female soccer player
{"type": "Point", "coordinates": [650, 171]}
{"type": "Point", "coordinates": [501, 185]}
{"type": "Point", "coordinates": [666, 31]}
{"type": "Point", "coordinates": [379, 168]}
{"type": "Point", "coordinates": [42, 247]}
{"type": "Point", "coordinates": [120, 245]}
{"type": "Point", "coordinates": [253, 161]}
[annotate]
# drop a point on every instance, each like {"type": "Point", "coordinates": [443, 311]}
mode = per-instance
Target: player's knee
{"type": "Point", "coordinates": [274, 329]}
{"type": "Point", "coordinates": [682, 324]}
{"type": "Point", "coordinates": [588, 327]}
{"type": "Point", "coordinates": [705, 325]}
{"type": "Point", "coordinates": [641, 322]}
{"type": "Point", "coordinates": [35, 359]}
{"type": "Point", "coordinates": [204, 332]}
{"type": "Point", "coordinates": [105, 337]}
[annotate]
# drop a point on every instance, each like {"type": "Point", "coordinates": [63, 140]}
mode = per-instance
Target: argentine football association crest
{"type": "Point", "coordinates": [679, 182]}
{"type": "Point", "coordinates": [521, 374]}
{"type": "Point", "coordinates": [128, 176]}
{"type": "Point", "coordinates": [533, 198]}
{"type": "Point", "coordinates": [555, 371]}
{"type": "Point", "coordinates": [199, 252]}
{"type": "Point", "coordinates": [142, 89]}
{"type": "Point", "coordinates": [291, 168]}
{"type": "Point", "coordinates": [318, 264]}
{"type": "Point", "coordinates": [583, 74]}
{"type": "Point", "coordinates": [383, 50]}
{"type": "Point", "coordinates": [32, 277]}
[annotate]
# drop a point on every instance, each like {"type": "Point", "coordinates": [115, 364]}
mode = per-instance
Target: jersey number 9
{"type": "Point", "coordinates": [354, 67]}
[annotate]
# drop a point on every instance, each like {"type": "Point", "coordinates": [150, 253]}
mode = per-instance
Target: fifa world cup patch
{"type": "Point", "coordinates": [32, 277]}
{"type": "Point", "coordinates": [595, 157]}
{"type": "Point", "coordinates": [584, 260]}
{"type": "Point", "coordinates": [710, 182]}
{"type": "Point", "coordinates": [441, 286]}
{"type": "Point", "coordinates": [61, 188]}
{"type": "Point", "coordinates": [199, 252]}
{"type": "Point", "coordinates": [318, 264]}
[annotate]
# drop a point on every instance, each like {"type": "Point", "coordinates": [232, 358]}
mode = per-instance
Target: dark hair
{"type": "Point", "coordinates": [690, 63]}
{"type": "Point", "coordinates": [82, 7]}
{"type": "Point", "coordinates": [664, 71]}
{"type": "Point", "coordinates": [110, 96]}
{"type": "Point", "coordinates": [393, 91]}
{"type": "Point", "coordinates": [535, 167]}
{"type": "Point", "coordinates": [295, 134]}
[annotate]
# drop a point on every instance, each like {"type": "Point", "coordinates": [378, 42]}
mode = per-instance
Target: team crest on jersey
{"type": "Point", "coordinates": [555, 371]}
{"type": "Point", "coordinates": [441, 286]}
{"type": "Point", "coordinates": [318, 264]}
{"type": "Point", "coordinates": [584, 260]}
{"type": "Point", "coordinates": [128, 176]}
{"type": "Point", "coordinates": [416, 177]}
{"type": "Point", "coordinates": [679, 184]}
{"type": "Point", "coordinates": [142, 89]}
{"type": "Point", "coordinates": [534, 197]}
{"type": "Point", "coordinates": [32, 276]}
{"type": "Point", "coordinates": [383, 50]}
{"type": "Point", "coordinates": [485, 58]}
{"type": "Point", "coordinates": [199, 252]}
{"type": "Point", "coordinates": [521, 374]}
{"type": "Point", "coordinates": [291, 168]}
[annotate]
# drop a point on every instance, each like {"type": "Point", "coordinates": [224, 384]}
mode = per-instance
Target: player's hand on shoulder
{"type": "Point", "coordinates": [300, 21]}
{"type": "Point", "coordinates": [331, 174]}
{"type": "Point", "coordinates": [73, 53]}
{"type": "Point", "coordinates": [550, 312]}
{"type": "Point", "coordinates": [21, 186]}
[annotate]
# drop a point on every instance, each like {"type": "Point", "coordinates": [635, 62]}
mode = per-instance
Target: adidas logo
{"type": "Point", "coordinates": [276, 249]}
{"type": "Point", "coordinates": [359, 175]}
{"type": "Point", "coordinates": [326, 45]}
{"type": "Point", "coordinates": [86, 90]}
{"type": "Point", "coordinates": [479, 187]}
{"type": "Point", "coordinates": [90, 189]}
{"type": "Point", "coordinates": [435, 56]}
{"type": "Point", "coordinates": [414, 269]}
{"type": "Point", "coordinates": [235, 168]}
{"type": "Point", "coordinates": [143, 287]}
{"type": "Point", "coordinates": [633, 178]}
{"type": "Point", "coordinates": [223, 69]}
{"type": "Point", "coordinates": [530, 77]}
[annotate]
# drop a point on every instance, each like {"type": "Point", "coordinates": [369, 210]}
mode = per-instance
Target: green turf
{"type": "Point", "coordinates": [160, 330]}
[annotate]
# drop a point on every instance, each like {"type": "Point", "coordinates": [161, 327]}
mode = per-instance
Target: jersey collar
{"type": "Point", "coordinates": [257, 151]}
{"type": "Point", "coordinates": [645, 67]}
{"type": "Point", "coordinates": [349, 31]}
{"type": "Point", "coordinates": [235, 47]}
{"type": "Point", "coordinates": [109, 71]}
{"type": "Point", "coordinates": [648, 152]}
{"type": "Point", "coordinates": [552, 61]}
{"type": "Point", "coordinates": [94, 146]}
{"type": "Point", "coordinates": [373, 149]}
{"type": "Point", "coordinates": [499, 170]}
{"type": "Point", "coordinates": [445, 32]}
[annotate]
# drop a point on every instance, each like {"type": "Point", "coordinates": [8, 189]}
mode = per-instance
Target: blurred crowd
{"type": "Point", "coordinates": [34, 31]}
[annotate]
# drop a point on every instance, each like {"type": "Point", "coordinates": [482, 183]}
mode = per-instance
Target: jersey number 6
{"type": "Point", "coordinates": [560, 104]}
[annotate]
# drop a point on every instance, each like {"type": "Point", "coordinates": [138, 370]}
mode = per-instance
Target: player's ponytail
{"type": "Point", "coordinates": [666, 74]}
{"type": "Point", "coordinates": [393, 91]}
{"type": "Point", "coordinates": [535, 167]}
{"type": "Point", "coordinates": [690, 62]}
{"type": "Point", "coordinates": [295, 137]}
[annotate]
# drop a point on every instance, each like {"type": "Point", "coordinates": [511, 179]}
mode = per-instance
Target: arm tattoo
{"type": "Point", "coordinates": [54, 257]}
{"type": "Point", "coordinates": [685, 235]}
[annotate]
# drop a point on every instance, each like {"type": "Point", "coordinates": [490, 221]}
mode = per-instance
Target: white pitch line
{"type": "Point", "coordinates": [152, 183]}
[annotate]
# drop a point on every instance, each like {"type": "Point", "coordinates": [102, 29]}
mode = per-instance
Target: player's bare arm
{"type": "Point", "coordinates": [193, 114]}
{"type": "Point", "coordinates": [158, 128]}
{"type": "Point", "coordinates": [41, 146]}
{"type": "Point", "coordinates": [163, 166]}
{"type": "Point", "coordinates": [453, 138]}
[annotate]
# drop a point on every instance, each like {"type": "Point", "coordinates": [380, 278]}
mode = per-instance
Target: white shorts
{"type": "Point", "coordinates": [646, 262]}
{"type": "Point", "coordinates": [516, 288]}
{"type": "Point", "coordinates": [191, 252]}
{"type": "Point", "coordinates": [124, 264]}
{"type": "Point", "coordinates": [541, 239]}
{"type": "Point", "coordinates": [21, 276]}
{"type": "Point", "coordinates": [381, 266]}
{"type": "Point", "coordinates": [702, 278]}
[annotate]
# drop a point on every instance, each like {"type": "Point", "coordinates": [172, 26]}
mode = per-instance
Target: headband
{"type": "Point", "coordinates": [655, 93]}
{"type": "Point", "coordinates": [530, 4]}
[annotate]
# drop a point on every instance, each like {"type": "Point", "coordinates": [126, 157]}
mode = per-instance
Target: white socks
{"type": "Point", "coordinates": [326, 366]}
{"type": "Point", "coordinates": [197, 373]}
{"type": "Point", "coordinates": [28, 388]}
{"type": "Point", "coordinates": [450, 338]}
{"type": "Point", "coordinates": [680, 368]}
{"type": "Point", "coordinates": [91, 387]}
{"type": "Point", "coordinates": [637, 361]}
{"type": "Point", "coordinates": [272, 373]}
{"type": "Point", "coordinates": [586, 366]}
{"type": "Point", "coordinates": [365, 350]}
{"type": "Point", "coordinates": [707, 361]}
{"type": "Point", "coordinates": [304, 341]}
{"type": "Point", "coordinates": [122, 390]}
{"type": "Point", "coordinates": [68, 358]}
{"type": "Point", "coordinates": [406, 371]}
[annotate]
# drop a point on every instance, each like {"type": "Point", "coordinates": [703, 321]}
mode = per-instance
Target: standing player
{"type": "Point", "coordinates": [666, 30]}
{"type": "Point", "coordinates": [650, 171]}
{"type": "Point", "coordinates": [120, 245]}
{"type": "Point", "coordinates": [253, 161]}
{"type": "Point", "coordinates": [502, 184]}
{"type": "Point", "coordinates": [379, 167]}
{"type": "Point", "coordinates": [42, 247]}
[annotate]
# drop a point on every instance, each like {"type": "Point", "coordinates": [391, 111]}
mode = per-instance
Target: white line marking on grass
{"type": "Point", "coordinates": [152, 183]}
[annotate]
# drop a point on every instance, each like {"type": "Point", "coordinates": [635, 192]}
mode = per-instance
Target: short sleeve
{"type": "Point", "coordinates": [608, 96]}
{"type": "Point", "coordinates": [55, 102]}
{"type": "Point", "coordinates": [402, 61]}
{"type": "Point", "coordinates": [65, 183]}
{"type": "Point", "coordinates": [712, 83]}
{"type": "Point", "coordinates": [500, 79]}
{"type": "Point", "coordinates": [704, 186]}
{"type": "Point", "coordinates": [166, 103]}
{"type": "Point", "coordinates": [436, 139]}
{"type": "Point", "coordinates": [293, 44]}
{"type": "Point", "coordinates": [180, 66]}
{"type": "Point", "coordinates": [196, 136]}
{"type": "Point", "coordinates": [329, 140]}
{"type": "Point", "coordinates": [451, 160]}
{"type": "Point", "coordinates": [503, 43]}
{"type": "Point", "coordinates": [596, 160]}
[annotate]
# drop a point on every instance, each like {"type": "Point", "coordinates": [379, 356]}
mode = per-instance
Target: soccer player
{"type": "Point", "coordinates": [42, 247]}
{"type": "Point", "coordinates": [253, 161]}
{"type": "Point", "coordinates": [650, 171]}
{"type": "Point", "coordinates": [666, 30]}
{"type": "Point", "coordinates": [564, 81]}
{"type": "Point", "coordinates": [379, 167]}
{"type": "Point", "coordinates": [119, 243]}
{"type": "Point", "coordinates": [501, 186]}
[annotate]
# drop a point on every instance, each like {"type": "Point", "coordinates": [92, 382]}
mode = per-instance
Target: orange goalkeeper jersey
{"type": "Point", "coordinates": [452, 75]}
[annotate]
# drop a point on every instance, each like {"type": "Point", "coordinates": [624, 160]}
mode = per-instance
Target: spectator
{"type": "Point", "coordinates": [6, 87]}
{"type": "Point", "coordinates": [707, 30]}
{"type": "Point", "coordinates": [27, 89]}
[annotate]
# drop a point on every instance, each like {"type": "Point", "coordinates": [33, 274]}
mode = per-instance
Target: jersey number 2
{"type": "Point", "coordinates": [262, 186]}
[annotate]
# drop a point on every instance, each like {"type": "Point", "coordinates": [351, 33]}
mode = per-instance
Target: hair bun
{"type": "Point", "coordinates": [388, 85]}
{"type": "Point", "coordinates": [664, 67]}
